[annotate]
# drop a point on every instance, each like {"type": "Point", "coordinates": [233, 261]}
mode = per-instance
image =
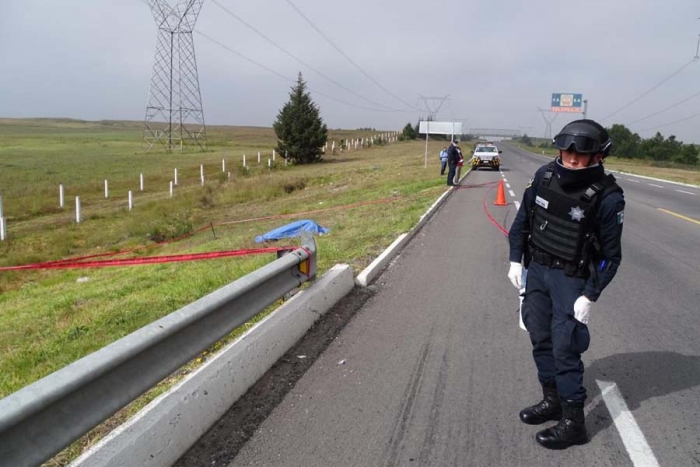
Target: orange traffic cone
{"type": "Point", "coordinates": [500, 195]}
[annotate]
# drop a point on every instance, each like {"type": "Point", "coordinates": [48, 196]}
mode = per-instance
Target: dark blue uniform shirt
{"type": "Point", "coordinates": [610, 215]}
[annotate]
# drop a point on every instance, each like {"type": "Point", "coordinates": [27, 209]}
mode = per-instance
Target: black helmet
{"type": "Point", "coordinates": [586, 136]}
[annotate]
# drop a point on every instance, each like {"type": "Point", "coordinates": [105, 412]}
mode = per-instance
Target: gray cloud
{"type": "Point", "coordinates": [498, 61]}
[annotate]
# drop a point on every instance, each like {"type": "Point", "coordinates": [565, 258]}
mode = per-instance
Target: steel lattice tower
{"type": "Point", "coordinates": [174, 115]}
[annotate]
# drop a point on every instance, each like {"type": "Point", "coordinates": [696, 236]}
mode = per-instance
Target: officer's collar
{"type": "Point", "coordinates": [573, 179]}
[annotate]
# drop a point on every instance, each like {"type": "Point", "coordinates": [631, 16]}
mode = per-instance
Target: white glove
{"type": "Point", "coordinates": [582, 309]}
{"type": "Point", "coordinates": [520, 311]}
{"type": "Point", "coordinates": [515, 274]}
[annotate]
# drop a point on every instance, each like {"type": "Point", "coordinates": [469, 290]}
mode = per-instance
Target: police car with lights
{"type": "Point", "coordinates": [486, 155]}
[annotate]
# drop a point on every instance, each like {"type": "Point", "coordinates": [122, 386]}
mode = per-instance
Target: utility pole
{"type": "Point", "coordinates": [433, 108]}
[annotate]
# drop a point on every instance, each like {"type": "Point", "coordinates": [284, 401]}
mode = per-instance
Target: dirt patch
{"type": "Point", "coordinates": [223, 441]}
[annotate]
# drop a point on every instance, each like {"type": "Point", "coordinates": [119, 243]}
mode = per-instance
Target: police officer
{"type": "Point", "coordinates": [567, 232]}
{"type": "Point", "coordinates": [453, 158]}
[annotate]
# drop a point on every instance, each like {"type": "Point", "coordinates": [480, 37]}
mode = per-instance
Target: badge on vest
{"type": "Point", "coordinates": [541, 202]}
{"type": "Point", "coordinates": [620, 217]}
{"type": "Point", "coordinates": [576, 214]}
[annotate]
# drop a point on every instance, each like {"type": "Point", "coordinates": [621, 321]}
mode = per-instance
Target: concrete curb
{"type": "Point", "coordinates": [165, 429]}
{"type": "Point", "coordinates": [380, 263]}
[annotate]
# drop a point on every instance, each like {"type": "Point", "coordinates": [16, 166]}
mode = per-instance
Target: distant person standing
{"type": "Point", "coordinates": [443, 160]}
{"type": "Point", "coordinates": [453, 158]}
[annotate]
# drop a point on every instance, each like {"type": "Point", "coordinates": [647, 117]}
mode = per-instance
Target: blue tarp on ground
{"type": "Point", "coordinates": [292, 230]}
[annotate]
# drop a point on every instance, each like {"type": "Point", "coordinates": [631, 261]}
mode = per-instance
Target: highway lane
{"type": "Point", "coordinates": [434, 369]}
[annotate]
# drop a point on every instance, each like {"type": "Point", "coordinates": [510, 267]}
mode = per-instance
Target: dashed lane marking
{"type": "Point", "coordinates": [639, 451]}
{"type": "Point", "coordinates": [657, 186]}
{"type": "Point", "coordinates": [680, 216]}
{"type": "Point", "coordinates": [687, 192]}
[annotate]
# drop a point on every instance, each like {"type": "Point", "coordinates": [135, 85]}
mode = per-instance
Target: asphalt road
{"type": "Point", "coordinates": [433, 369]}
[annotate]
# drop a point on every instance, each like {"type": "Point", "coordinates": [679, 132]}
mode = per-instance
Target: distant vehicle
{"type": "Point", "coordinates": [486, 155]}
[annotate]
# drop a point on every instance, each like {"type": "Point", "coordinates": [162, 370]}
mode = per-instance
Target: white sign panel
{"type": "Point", "coordinates": [440, 128]}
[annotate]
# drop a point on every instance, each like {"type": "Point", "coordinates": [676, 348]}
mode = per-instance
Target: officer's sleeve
{"type": "Point", "coordinates": [610, 218]}
{"type": "Point", "coordinates": [518, 230]}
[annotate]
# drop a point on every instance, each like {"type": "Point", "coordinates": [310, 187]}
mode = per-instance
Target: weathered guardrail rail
{"type": "Point", "coordinates": [43, 418]}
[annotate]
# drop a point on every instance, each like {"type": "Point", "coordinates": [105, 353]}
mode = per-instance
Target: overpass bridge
{"type": "Point", "coordinates": [495, 132]}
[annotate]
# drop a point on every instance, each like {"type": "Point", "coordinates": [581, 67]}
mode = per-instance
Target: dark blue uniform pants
{"type": "Point", "coordinates": [558, 340]}
{"type": "Point", "coordinates": [451, 174]}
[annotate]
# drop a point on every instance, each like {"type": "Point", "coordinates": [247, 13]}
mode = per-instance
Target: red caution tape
{"type": "Point", "coordinates": [66, 264]}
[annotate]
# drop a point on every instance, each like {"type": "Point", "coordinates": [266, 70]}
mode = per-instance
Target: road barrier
{"type": "Point", "coordinates": [43, 418]}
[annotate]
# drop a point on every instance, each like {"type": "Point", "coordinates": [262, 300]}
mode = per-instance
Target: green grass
{"type": "Point", "coordinates": [49, 319]}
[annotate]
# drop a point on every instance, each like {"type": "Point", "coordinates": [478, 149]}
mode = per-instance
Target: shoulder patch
{"type": "Point", "coordinates": [620, 217]}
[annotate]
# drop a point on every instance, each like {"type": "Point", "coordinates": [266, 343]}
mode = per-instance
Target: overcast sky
{"type": "Point", "coordinates": [497, 60]}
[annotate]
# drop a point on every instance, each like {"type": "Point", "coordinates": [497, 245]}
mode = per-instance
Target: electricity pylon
{"type": "Point", "coordinates": [174, 115]}
{"type": "Point", "coordinates": [548, 122]}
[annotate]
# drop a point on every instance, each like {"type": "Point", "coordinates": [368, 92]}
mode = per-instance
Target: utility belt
{"type": "Point", "coordinates": [570, 268]}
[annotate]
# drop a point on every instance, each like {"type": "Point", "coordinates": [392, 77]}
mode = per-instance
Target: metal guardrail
{"type": "Point", "coordinates": [43, 418]}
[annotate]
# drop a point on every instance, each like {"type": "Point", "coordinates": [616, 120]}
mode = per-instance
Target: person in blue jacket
{"type": "Point", "coordinates": [567, 234]}
{"type": "Point", "coordinates": [443, 160]}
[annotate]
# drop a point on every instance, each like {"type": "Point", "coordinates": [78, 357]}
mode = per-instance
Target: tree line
{"type": "Point", "coordinates": [629, 145]}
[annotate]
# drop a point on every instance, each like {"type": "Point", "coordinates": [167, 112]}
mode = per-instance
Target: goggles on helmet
{"type": "Point", "coordinates": [581, 144]}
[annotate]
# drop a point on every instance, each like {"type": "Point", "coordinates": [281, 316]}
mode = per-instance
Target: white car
{"type": "Point", "coordinates": [486, 155]}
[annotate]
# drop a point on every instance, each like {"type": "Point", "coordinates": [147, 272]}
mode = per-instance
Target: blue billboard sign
{"type": "Point", "coordinates": [567, 102]}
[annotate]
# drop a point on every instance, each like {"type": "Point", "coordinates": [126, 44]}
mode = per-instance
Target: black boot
{"type": "Point", "coordinates": [569, 431]}
{"type": "Point", "coordinates": [547, 409]}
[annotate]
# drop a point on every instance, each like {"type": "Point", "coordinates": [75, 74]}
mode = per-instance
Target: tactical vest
{"type": "Point", "coordinates": [563, 224]}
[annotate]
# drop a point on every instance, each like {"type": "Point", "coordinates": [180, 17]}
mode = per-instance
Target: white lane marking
{"type": "Point", "coordinates": [507, 185]}
{"type": "Point", "coordinates": [511, 193]}
{"type": "Point", "coordinates": [517, 205]}
{"type": "Point", "coordinates": [639, 451]}
{"type": "Point", "coordinates": [657, 186]}
{"type": "Point", "coordinates": [504, 177]}
{"type": "Point", "coordinates": [633, 181]}
{"type": "Point", "coordinates": [686, 192]}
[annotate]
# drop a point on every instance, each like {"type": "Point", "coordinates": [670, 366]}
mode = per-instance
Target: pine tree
{"type": "Point", "coordinates": [300, 131]}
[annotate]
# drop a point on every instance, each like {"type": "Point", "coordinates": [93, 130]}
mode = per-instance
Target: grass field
{"type": "Point", "coordinates": [50, 318]}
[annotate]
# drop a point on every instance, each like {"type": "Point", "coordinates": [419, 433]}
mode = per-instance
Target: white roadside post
{"type": "Point", "coordinates": [273, 154]}
{"type": "Point", "coordinates": [2, 222]}
{"type": "Point", "coordinates": [175, 178]}
{"type": "Point", "coordinates": [223, 165]}
{"type": "Point", "coordinates": [60, 195]}
{"type": "Point", "coordinates": [258, 157]}
{"type": "Point", "coordinates": [141, 182]}
{"type": "Point", "coordinates": [171, 188]}
{"type": "Point", "coordinates": [106, 189]}
{"type": "Point", "coordinates": [77, 209]}
{"type": "Point", "coordinates": [131, 201]}
{"type": "Point", "coordinates": [201, 173]}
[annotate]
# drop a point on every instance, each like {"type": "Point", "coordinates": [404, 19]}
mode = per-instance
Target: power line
{"type": "Point", "coordinates": [669, 124]}
{"type": "Point", "coordinates": [350, 59]}
{"type": "Point", "coordinates": [683, 101]}
{"type": "Point", "coordinates": [252, 28]}
{"type": "Point", "coordinates": [282, 76]}
{"type": "Point", "coordinates": [650, 90]}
